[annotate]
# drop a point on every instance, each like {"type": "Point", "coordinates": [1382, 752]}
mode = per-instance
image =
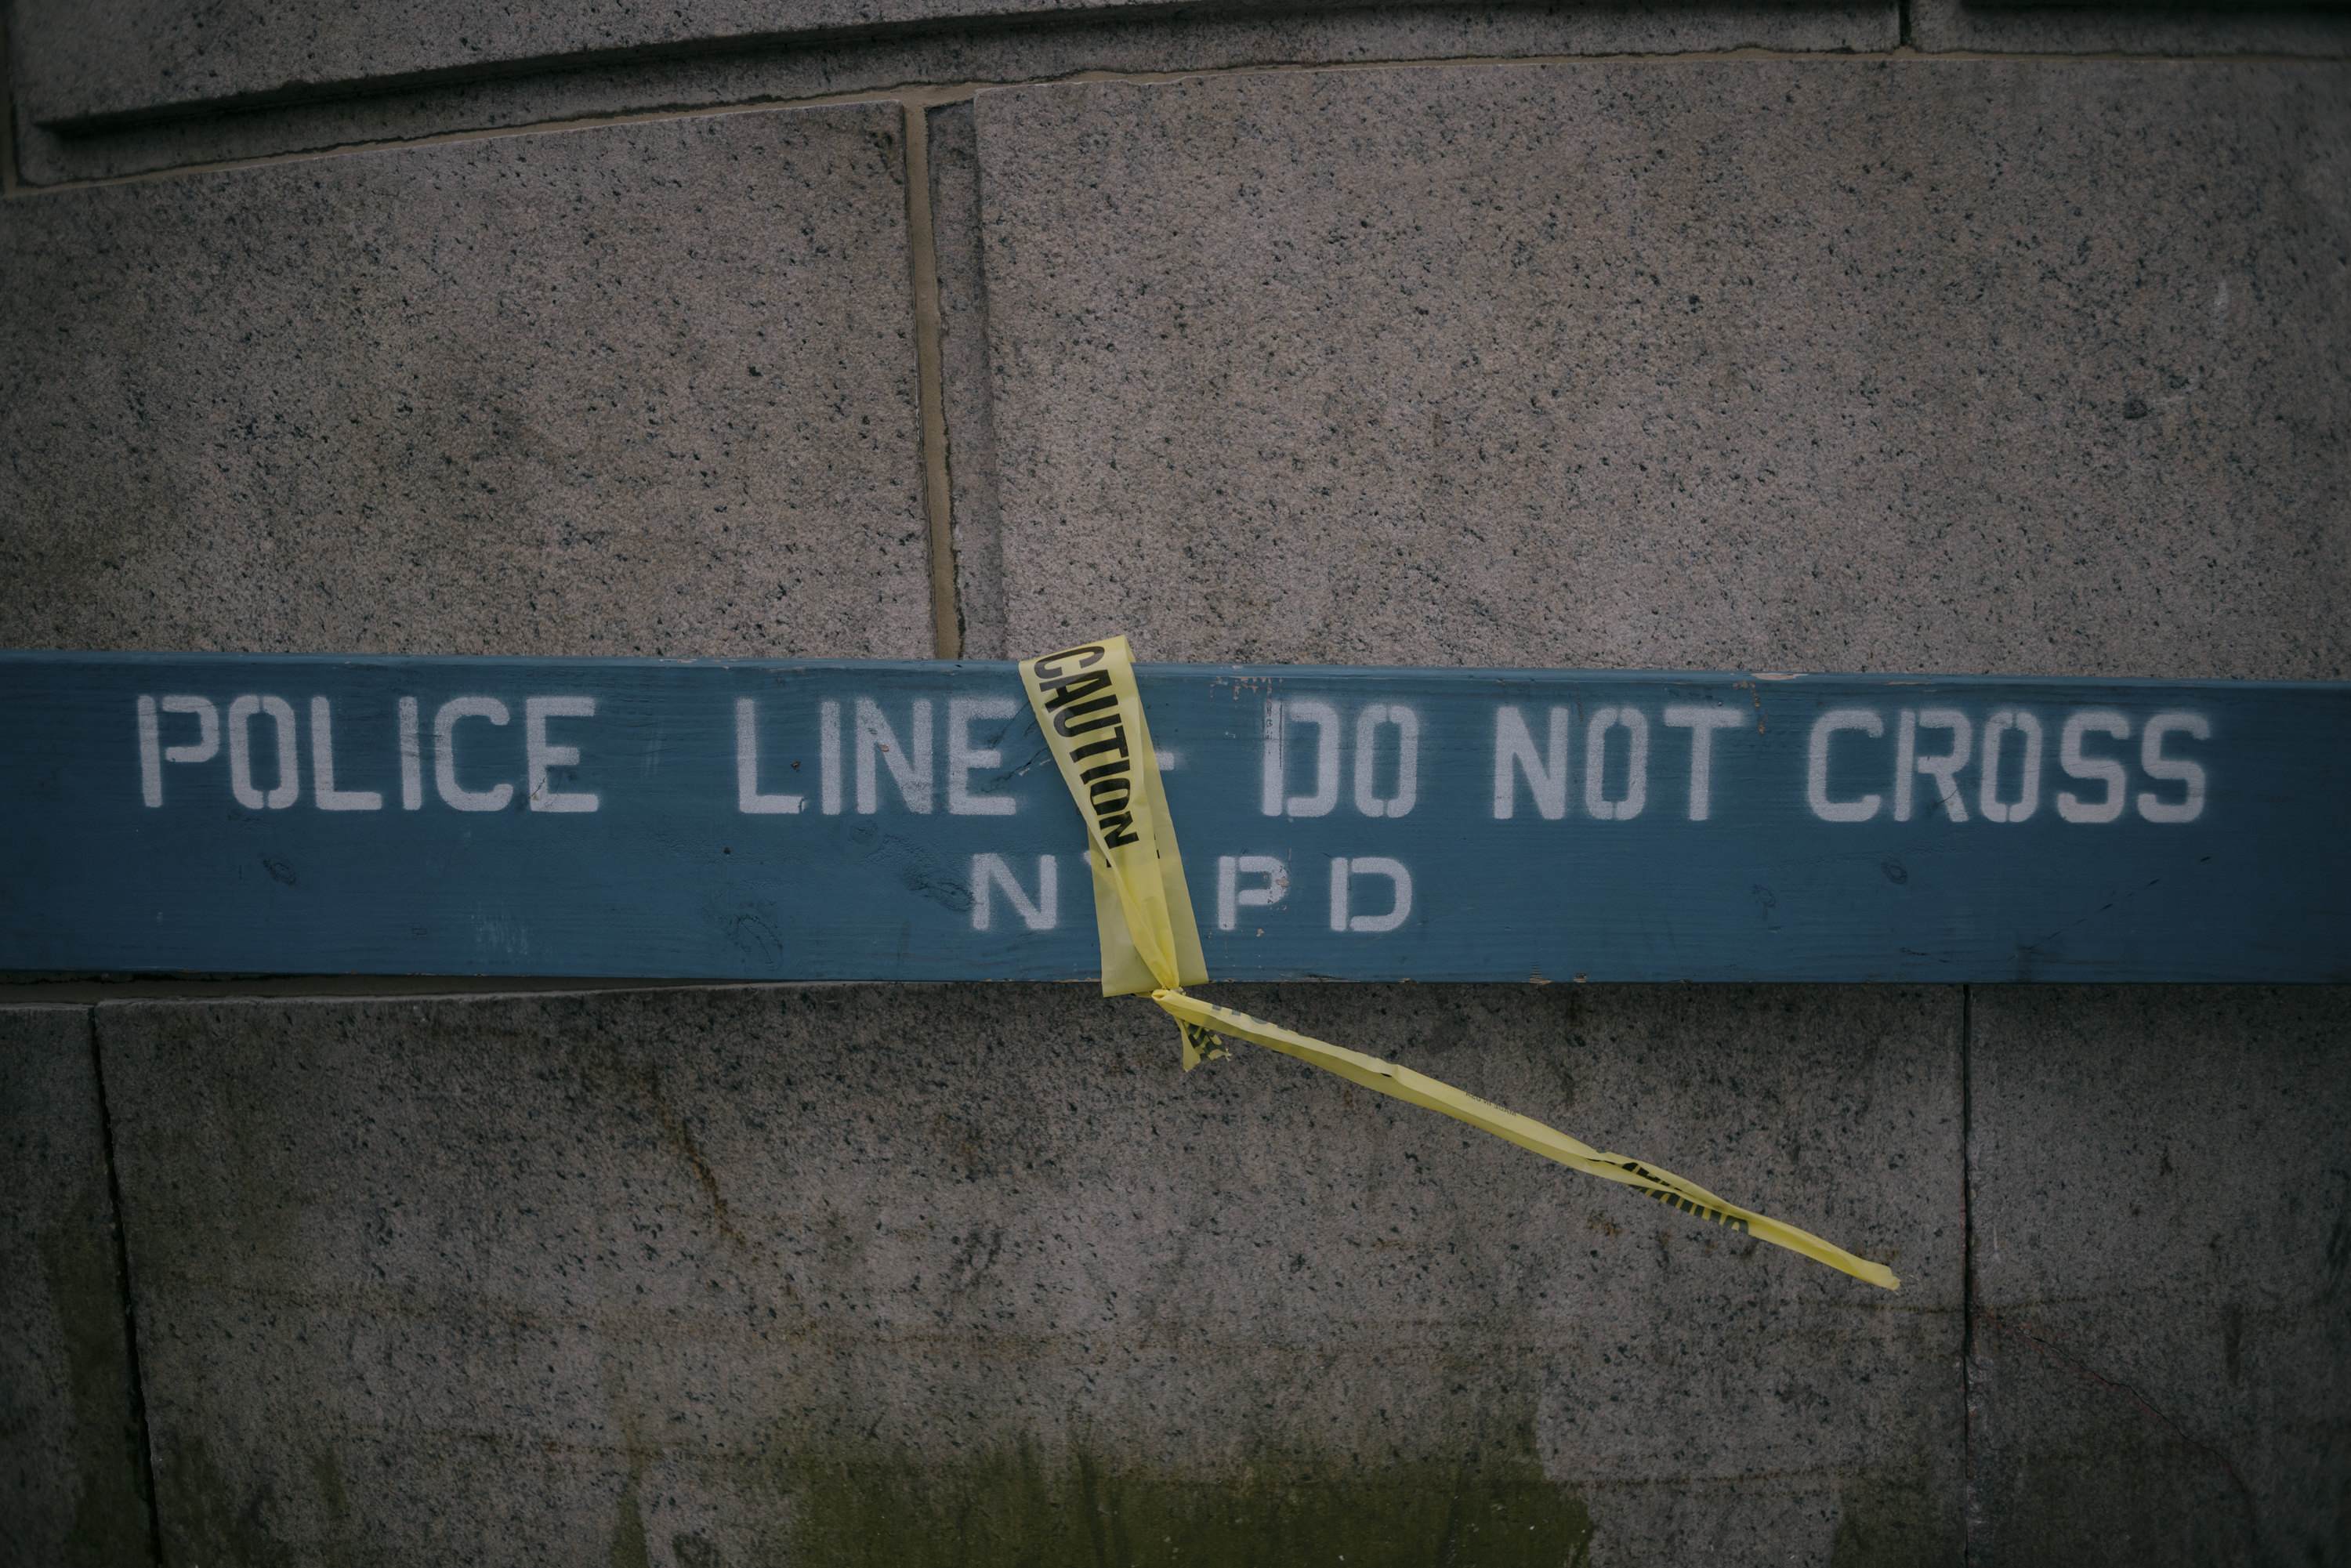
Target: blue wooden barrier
{"type": "Point", "coordinates": [737, 820]}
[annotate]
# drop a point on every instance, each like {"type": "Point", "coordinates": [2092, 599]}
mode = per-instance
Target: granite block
{"type": "Point", "coordinates": [2116, 27]}
{"type": "Point", "coordinates": [73, 1473]}
{"type": "Point", "coordinates": [1897, 365]}
{"type": "Point", "coordinates": [1159, 38]}
{"type": "Point", "coordinates": [869, 1273]}
{"type": "Point", "coordinates": [641, 389]}
{"type": "Point", "coordinates": [2160, 1188]}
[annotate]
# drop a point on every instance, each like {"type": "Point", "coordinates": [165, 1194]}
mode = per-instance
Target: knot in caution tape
{"type": "Point", "coordinates": [1091, 711]}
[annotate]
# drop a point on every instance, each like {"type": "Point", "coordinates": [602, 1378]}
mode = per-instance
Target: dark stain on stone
{"type": "Point", "coordinates": [1009, 1506]}
{"type": "Point", "coordinates": [109, 1519]}
{"type": "Point", "coordinates": [2111, 1497]}
{"type": "Point", "coordinates": [207, 1521]}
{"type": "Point", "coordinates": [680, 1137]}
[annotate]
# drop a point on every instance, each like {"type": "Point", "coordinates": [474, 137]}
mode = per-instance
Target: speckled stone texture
{"type": "Point", "coordinates": [2121, 26]}
{"type": "Point", "coordinates": [1114, 39]}
{"type": "Point", "coordinates": [1914, 366]}
{"type": "Point", "coordinates": [633, 389]}
{"type": "Point", "coordinates": [2160, 1192]}
{"type": "Point", "coordinates": [743, 1275]}
{"type": "Point", "coordinates": [72, 1476]}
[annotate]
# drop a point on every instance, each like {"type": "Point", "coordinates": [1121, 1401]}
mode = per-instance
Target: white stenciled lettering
{"type": "Point", "coordinates": [411, 759]}
{"type": "Point", "coordinates": [153, 754]}
{"type": "Point", "coordinates": [2176, 769]}
{"type": "Point", "coordinates": [1905, 762]}
{"type": "Point", "coordinates": [909, 765]}
{"type": "Point", "coordinates": [1342, 874]}
{"type": "Point", "coordinates": [207, 744]}
{"type": "Point", "coordinates": [963, 758]}
{"type": "Point", "coordinates": [1368, 725]}
{"type": "Point", "coordinates": [829, 757]}
{"type": "Point", "coordinates": [1273, 779]}
{"type": "Point", "coordinates": [989, 872]}
{"type": "Point", "coordinates": [1636, 725]}
{"type": "Point", "coordinates": [2105, 769]}
{"type": "Point", "coordinates": [747, 799]}
{"type": "Point", "coordinates": [1232, 897]}
{"type": "Point", "coordinates": [1702, 722]}
{"type": "Point", "coordinates": [322, 767]}
{"type": "Point", "coordinates": [150, 754]}
{"type": "Point", "coordinates": [535, 712]}
{"type": "Point", "coordinates": [1944, 770]}
{"type": "Point", "coordinates": [1514, 749]}
{"type": "Point", "coordinates": [445, 754]}
{"type": "Point", "coordinates": [2028, 787]}
{"type": "Point", "coordinates": [1273, 797]}
{"type": "Point", "coordinates": [288, 788]}
{"type": "Point", "coordinates": [1825, 729]}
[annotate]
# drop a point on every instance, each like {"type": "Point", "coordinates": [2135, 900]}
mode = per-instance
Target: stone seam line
{"type": "Point", "coordinates": [946, 613]}
{"type": "Point", "coordinates": [1970, 1392]}
{"type": "Point", "coordinates": [938, 94]}
{"type": "Point", "coordinates": [122, 1255]}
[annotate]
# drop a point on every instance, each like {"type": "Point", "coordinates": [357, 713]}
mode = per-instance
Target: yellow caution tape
{"type": "Point", "coordinates": [1088, 704]}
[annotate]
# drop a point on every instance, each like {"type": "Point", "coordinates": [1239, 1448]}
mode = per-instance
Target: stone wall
{"type": "Point", "coordinates": [1924, 336]}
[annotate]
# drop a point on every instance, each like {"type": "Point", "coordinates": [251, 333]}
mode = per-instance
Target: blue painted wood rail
{"type": "Point", "coordinates": [875, 820]}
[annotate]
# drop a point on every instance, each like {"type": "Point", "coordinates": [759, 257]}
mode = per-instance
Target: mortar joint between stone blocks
{"type": "Point", "coordinates": [136, 1374]}
{"type": "Point", "coordinates": [946, 616]}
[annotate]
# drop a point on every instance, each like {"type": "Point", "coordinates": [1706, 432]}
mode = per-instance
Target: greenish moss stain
{"type": "Point", "coordinates": [1897, 1522]}
{"type": "Point", "coordinates": [1011, 1509]}
{"type": "Point", "coordinates": [628, 1531]}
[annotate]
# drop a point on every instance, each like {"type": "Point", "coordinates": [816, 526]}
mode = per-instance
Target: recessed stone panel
{"type": "Point", "coordinates": [1894, 365]}
{"type": "Point", "coordinates": [736, 1275]}
{"type": "Point", "coordinates": [638, 389]}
